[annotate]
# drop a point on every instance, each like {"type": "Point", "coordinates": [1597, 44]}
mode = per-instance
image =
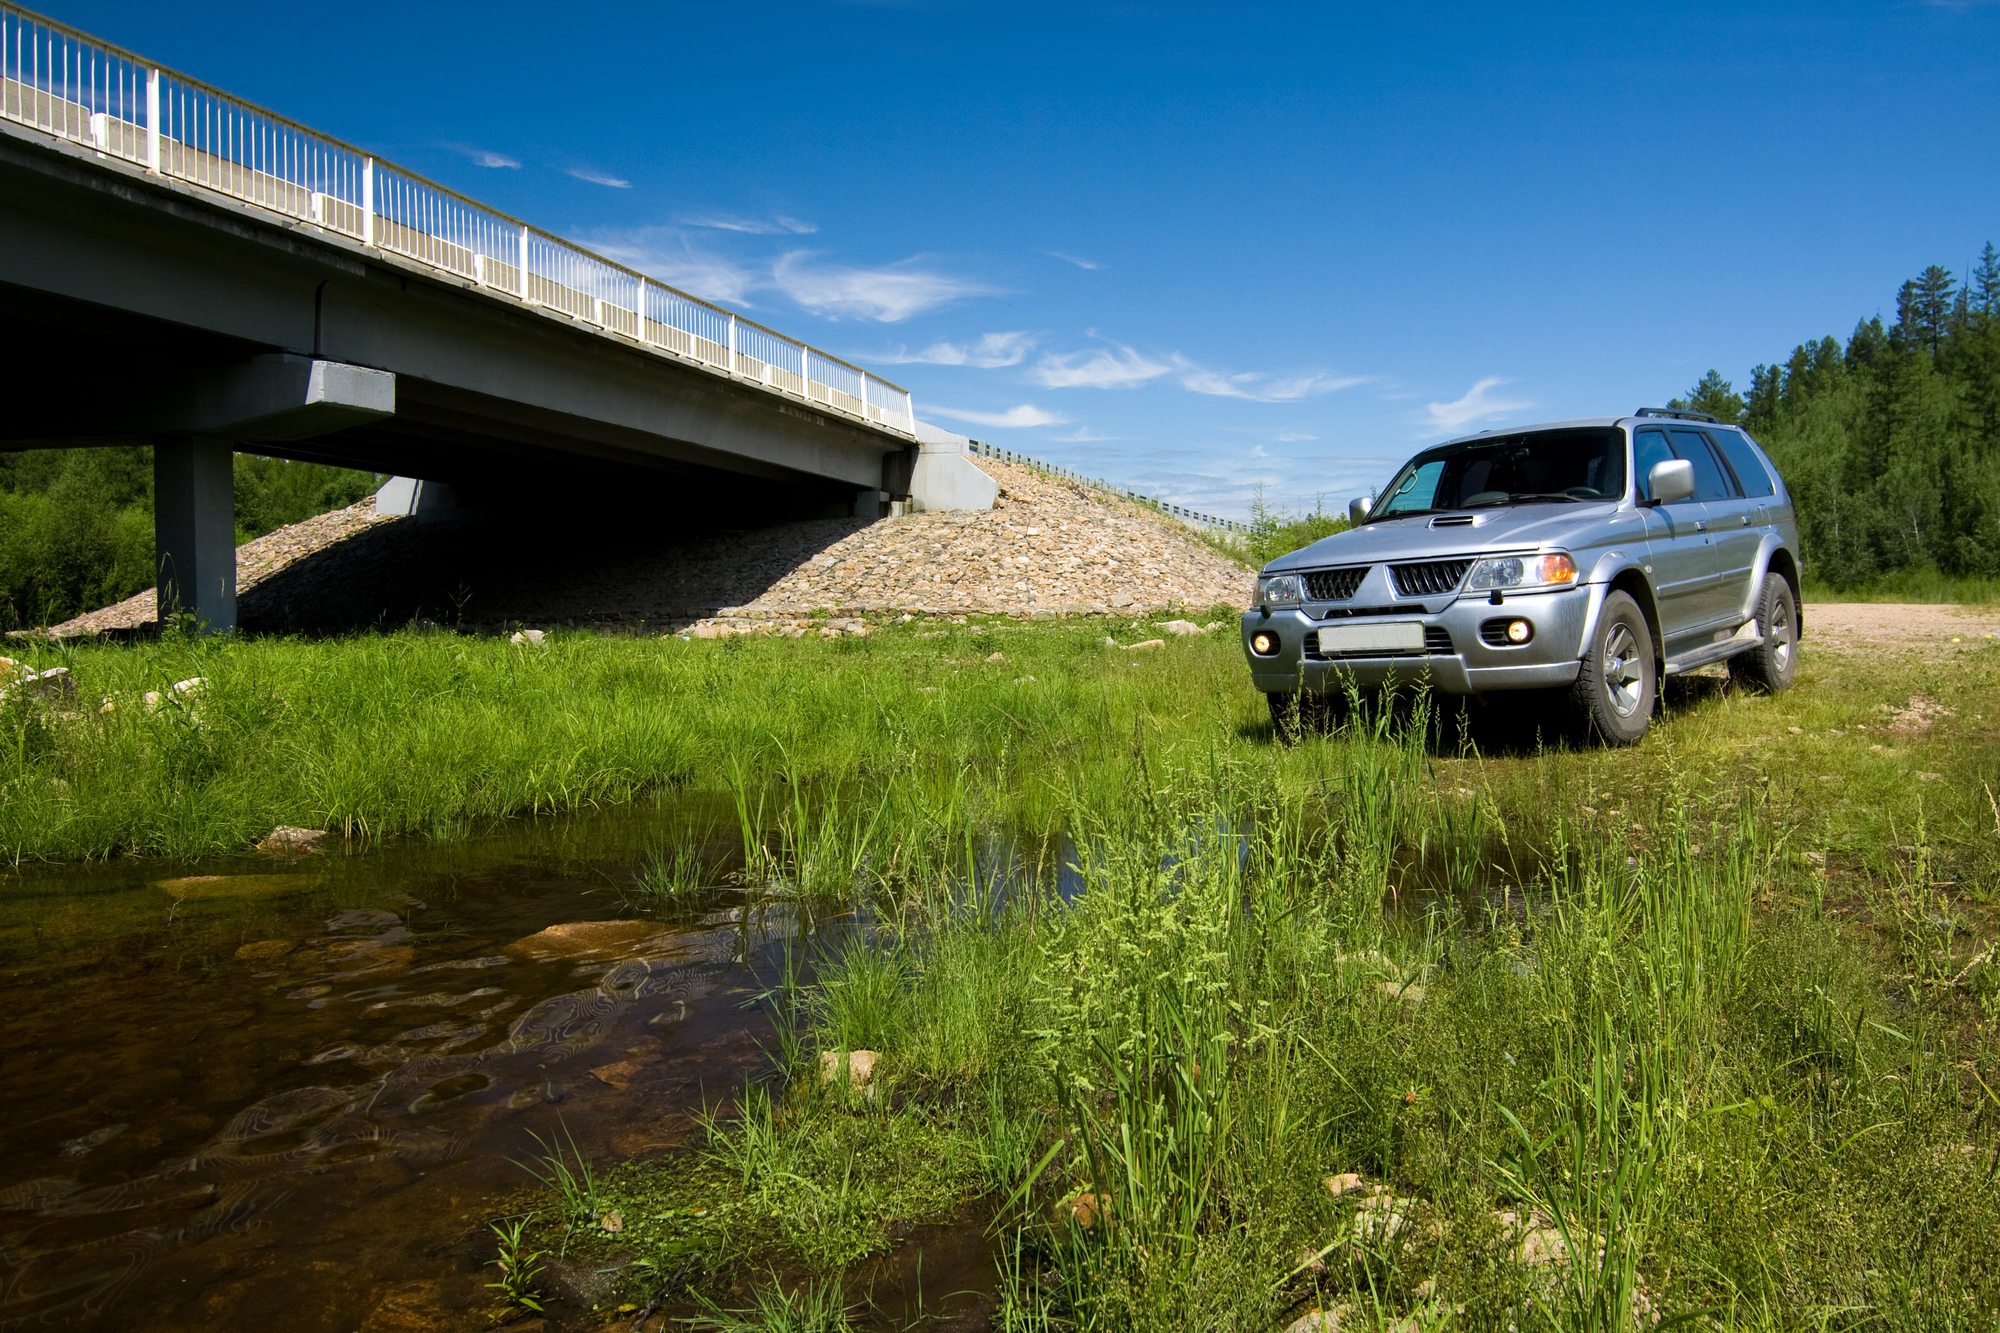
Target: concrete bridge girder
{"type": "Point", "coordinates": [245, 330]}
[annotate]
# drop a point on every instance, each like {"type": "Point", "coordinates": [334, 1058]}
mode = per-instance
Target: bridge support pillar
{"type": "Point", "coordinates": [194, 529]}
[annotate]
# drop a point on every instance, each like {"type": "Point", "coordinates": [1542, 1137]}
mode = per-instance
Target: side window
{"type": "Point", "coordinates": [1743, 461]}
{"type": "Point", "coordinates": [1649, 448]}
{"type": "Point", "coordinates": [1709, 482]}
{"type": "Point", "coordinates": [1418, 490]}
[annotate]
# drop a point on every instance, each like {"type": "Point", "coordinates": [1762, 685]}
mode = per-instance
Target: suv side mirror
{"type": "Point", "coordinates": [1670, 482]}
{"type": "Point", "coordinates": [1358, 508]}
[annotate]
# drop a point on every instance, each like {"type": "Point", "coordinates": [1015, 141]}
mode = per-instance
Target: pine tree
{"type": "Point", "coordinates": [1923, 310]}
{"type": "Point", "coordinates": [1714, 395]}
{"type": "Point", "coordinates": [1868, 345]}
{"type": "Point", "coordinates": [1984, 284]}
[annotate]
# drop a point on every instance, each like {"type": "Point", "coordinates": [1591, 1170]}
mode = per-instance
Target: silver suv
{"type": "Point", "coordinates": [1594, 556]}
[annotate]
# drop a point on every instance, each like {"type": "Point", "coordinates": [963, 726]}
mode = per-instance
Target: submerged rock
{"type": "Point", "coordinates": [263, 949]}
{"type": "Point", "coordinates": [584, 939]}
{"type": "Point", "coordinates": [231, 886]}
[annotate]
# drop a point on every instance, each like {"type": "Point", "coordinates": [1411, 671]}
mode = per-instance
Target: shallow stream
{"type": "Point", "coordinates": [250, 1093]}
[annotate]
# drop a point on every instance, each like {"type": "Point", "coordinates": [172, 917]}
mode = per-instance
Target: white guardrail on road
{"type": "Point", "coordinates": [985, 450]}
{"type": "Point", "coordinates": [72, 86]}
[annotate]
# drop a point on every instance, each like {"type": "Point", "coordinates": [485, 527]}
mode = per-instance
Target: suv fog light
{"type": "Point", "coordinates": [1264, 644]}
{"type": "Point", "coordinates": [1520, 631]}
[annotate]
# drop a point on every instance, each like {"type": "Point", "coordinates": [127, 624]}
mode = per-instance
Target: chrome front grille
{"type": "Point", "coordinates": [1429, 578]}
{"type": "Point", "coordinates": [1333, 585]}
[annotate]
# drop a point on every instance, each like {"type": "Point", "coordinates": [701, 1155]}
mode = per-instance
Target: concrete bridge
{"type": "Point", "coordinates": [181, 268]}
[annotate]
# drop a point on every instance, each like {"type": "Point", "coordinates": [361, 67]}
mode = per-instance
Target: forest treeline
{"type": "Point", "coordinates": [1890, 443]}
{"type": "Point", "coordinates": [76, 525]}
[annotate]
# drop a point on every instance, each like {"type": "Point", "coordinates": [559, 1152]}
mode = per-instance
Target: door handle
{"type": "Point", "coordinates": [1700, 526]}
{"type": "Point", "coordinates": [1746, 520]}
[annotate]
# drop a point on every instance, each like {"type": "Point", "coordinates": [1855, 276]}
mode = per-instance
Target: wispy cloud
{"type": "Point", "coordinates": [1025, 415]}
{"type": "Point", "coordinates": [1477, 404]}
{"type": "Point", "coordinates": [775, 225]}
{"type": "Point", "coordinates": [482, 157]}
{"type": "Point", "coordinates": [1257, 387]}
{"type": "Point", "coordinates": [991, 352]}
{"type": "Point", "coordinates": [666, 254]}
{"type": "Point", "coordinates": [1292, 436]}
{"type": "Point", "coordinates": [1113, 367]}
{"type": "Point", "coordinates": [596, 177]}
{"type": "Point", "coordinates": [890, 293]}
{"type": "Point", "coordinates": [1072, 259]}
{"type": "Point", "coordinates": [1084, 435]}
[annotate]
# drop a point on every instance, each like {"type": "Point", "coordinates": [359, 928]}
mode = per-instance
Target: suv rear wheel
{"type": "Point", "coordinates": [1614, 690]}
{"type": "Point", "coordinates": [1770, 667]}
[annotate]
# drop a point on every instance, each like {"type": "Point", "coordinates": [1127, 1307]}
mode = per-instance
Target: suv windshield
{"type": "Point", "coordinates": [1540, 467]}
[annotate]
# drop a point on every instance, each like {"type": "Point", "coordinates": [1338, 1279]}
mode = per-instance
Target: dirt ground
{"type": "Point", "coordinates": [1876, 628]}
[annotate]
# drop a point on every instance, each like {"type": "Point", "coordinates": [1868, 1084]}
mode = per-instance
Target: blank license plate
{"type": "Point", "coordinates": [1341, 639]}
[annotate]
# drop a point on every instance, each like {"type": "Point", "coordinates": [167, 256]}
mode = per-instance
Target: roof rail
{"type": "Point", "coordinates": [1678, 413]}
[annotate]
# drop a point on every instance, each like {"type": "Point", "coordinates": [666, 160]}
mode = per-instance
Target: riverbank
{"type": "Point", "coordinates": [1383, 1031]}
{"type": "Point", "coordinates": [1700, 1026]}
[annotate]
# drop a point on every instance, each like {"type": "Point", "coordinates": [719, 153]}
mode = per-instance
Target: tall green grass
{"type": "Point", "coordinates": [1698, 1031]}
{"type": "Point", "coordinates": [1604, 1072]}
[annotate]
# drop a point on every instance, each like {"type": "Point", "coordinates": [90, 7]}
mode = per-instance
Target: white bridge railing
{"type": "Point", "coordinates": [74, 87]}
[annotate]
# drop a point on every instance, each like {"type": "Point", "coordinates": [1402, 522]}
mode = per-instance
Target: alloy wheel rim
{"type": "Point", "coordinates": [1781, 634]}
{"type": "Point", "coordinates": [1623, 680]}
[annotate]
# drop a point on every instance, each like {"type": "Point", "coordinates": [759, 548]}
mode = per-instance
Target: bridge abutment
{"type": "Point", "coordinates": [194, 529]}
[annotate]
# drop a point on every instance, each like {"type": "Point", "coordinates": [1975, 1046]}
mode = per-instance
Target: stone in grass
{"type": "Point", "coordinates": [55, 683]}
{"type": "Point", "coordinates": [1408, 994]}
{"type": "Point", "coordinates": [1146, 646]}
{"type": "Point", "coordinates": [527, 636]}
{"type": "Point", "coordinates": [1182, 627]}
{"type": "Point", "coordinates": [997, 657]}
{"type": "Point", "coordinates": [286, 841]}
{"type": "Point", "coordinates": [1084, 1209]}
{"type": "Point", "coordinates": [857, 1067]}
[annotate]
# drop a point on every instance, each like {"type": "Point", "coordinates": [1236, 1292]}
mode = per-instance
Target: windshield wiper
{"type": "Point", "coordinates": [1516, 497]}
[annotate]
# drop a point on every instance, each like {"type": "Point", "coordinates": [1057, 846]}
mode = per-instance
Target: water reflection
{"type": "Point", "coordinates": [239, 1091]}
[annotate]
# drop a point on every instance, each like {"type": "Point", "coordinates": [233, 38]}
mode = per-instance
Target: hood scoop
{"type": "Point", "coordinates": [1452, 521]}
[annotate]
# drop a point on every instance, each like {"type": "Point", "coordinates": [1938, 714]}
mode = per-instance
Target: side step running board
{"type": "Point", "coordinates": [1714, 652]}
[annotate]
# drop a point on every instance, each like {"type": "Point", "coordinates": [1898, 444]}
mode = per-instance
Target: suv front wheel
{"type": "Point", "coordinates": [1614, 690]}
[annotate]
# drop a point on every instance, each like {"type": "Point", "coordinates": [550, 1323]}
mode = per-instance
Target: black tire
{"type": "Point", "coordinates": [1298, 714]}
{"type": "Point", "coordinates": [1614, 691]}
{"type": "Point", "coordinates": [1769, 668]}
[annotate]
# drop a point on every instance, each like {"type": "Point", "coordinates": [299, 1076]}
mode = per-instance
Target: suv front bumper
{"type": "Point", "coordinates": [1472, 666]}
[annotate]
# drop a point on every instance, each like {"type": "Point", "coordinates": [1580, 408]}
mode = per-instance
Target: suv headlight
{"type": "Point", "coordinates": [1522, 571]}
{"type": "Point", "coordinates": [1281, 590]}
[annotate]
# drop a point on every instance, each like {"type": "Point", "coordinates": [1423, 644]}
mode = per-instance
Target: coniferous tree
{"type": "Point", "coordinates": [1716, 396]}
{"type": "Point", "coordinates": [1891, 444]}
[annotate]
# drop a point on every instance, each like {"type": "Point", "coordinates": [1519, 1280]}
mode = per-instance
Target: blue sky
{"type": "Point", "coordinates": [1198, 247]}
